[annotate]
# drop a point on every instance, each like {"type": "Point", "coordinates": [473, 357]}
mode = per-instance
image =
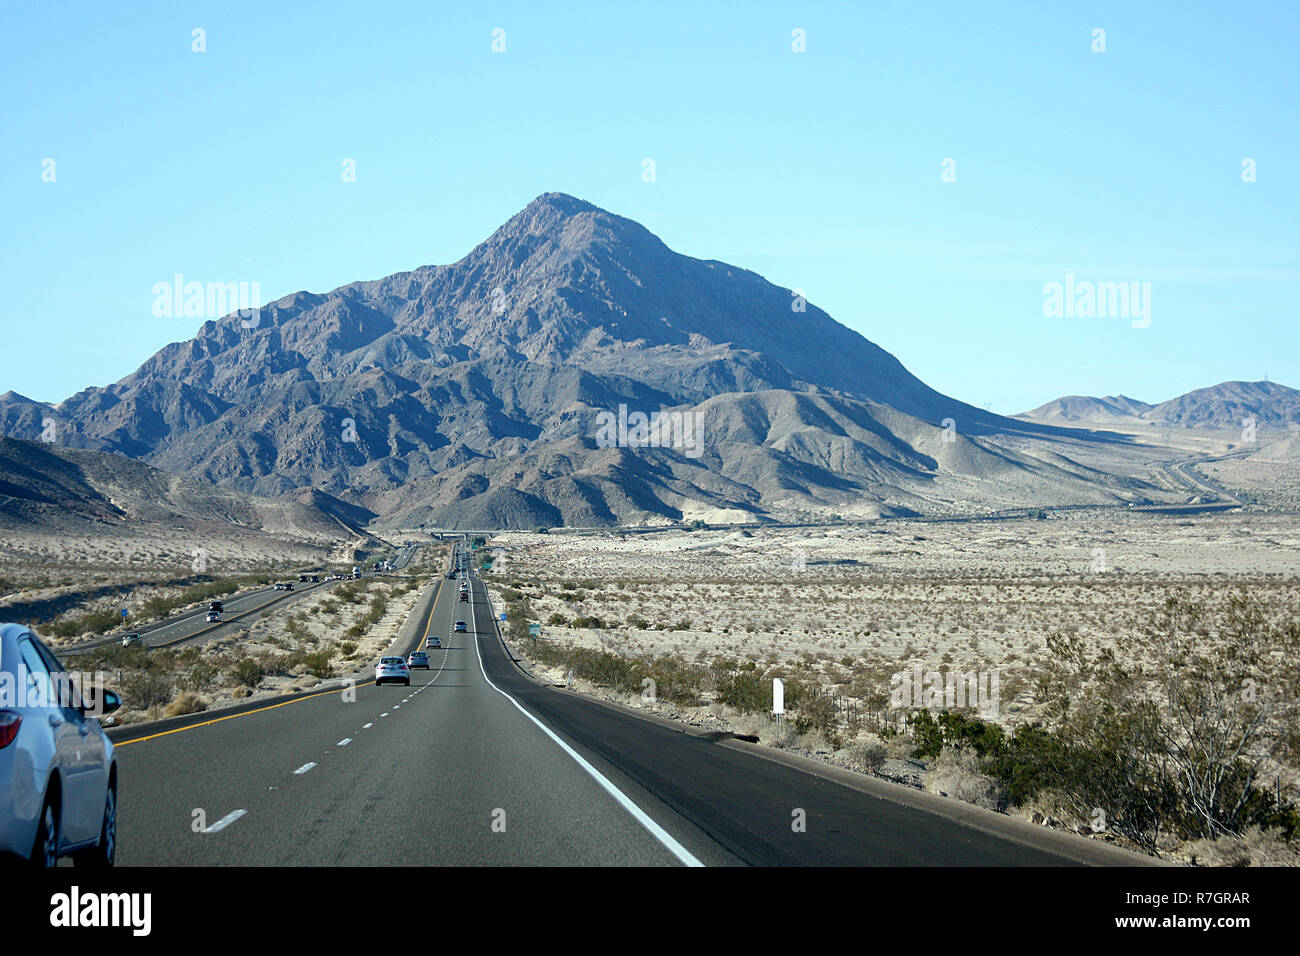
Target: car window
{"type": "Point", "coordinates": [38, 688]}
{"type": "Point", "coordinates": [69, 693]}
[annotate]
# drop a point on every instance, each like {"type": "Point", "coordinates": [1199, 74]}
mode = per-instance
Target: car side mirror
{"type": "Point", "coordinates": [107, 702]}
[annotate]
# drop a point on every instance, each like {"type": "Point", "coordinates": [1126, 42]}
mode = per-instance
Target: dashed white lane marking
{"type": "Point", "coordinates": [344, 742]}
{"type": "Point", "coordinates": [383, 715]}
{"type": "Point", "coordinates": [224, 822]}
{"type": "Point", "coordinates": [305, 767]}
{"type": "Point", "coordinates": [367, 726]}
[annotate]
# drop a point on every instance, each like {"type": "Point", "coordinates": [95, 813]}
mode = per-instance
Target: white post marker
{"type": "Point", "coordinates": [778, 700]}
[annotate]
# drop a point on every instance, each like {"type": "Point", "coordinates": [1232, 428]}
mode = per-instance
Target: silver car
{"type": "Point", "coordinates": [393, 670]}
{"type": "Point", "coordinates": [58, 774]}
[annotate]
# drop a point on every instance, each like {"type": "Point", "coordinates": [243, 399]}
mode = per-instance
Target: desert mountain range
{"type": "Point", "coordinates": [1223, 406]}
{"type": "Point", "coordinates": [469, 395]}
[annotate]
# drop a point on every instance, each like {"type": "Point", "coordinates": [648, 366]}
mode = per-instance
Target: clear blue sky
{"type": "Point", "coordinates": [820, 170]}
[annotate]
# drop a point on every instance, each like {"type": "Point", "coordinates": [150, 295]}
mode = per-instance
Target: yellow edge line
{"type": "Point", "coordinates": [429, 622]}
{"type": "Point", "coordinates": [283, 703]}
{"type": "Point", "coordinates": [217, 720]}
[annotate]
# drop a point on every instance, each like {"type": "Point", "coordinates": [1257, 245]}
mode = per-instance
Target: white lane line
{"type": "Point", "coordinates": [224, 822]}
{"type": "Point", "coordinates": [344, 742]}
{"type": "Point", "coordinates": [305, 767]}
{"type": "Point", "coordinates": [367, 726]}
{"type": "Point", "coordinates": [641, 817]}
{"type": "Point", "coordinates": [383, 715]}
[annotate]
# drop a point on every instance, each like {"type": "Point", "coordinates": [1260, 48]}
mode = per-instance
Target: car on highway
{"type": "Point", "coordinates": [464, 595]}
{"type": "Point", "coordinates": [435, 642]}
{"type": "Point", "coordinates": [392, 670]}
{"type": "Point", "coordinates": [418, 659]}
{"type": "Point", "coordinates": [216, 606]}
{"type": "Point", "coordinates": [130, 640]}
{"type": "Point", "coordinates": [58, 772]}
{"type": "Point", "coordinates": [213, 616]}
{"type": "Point", "coordinates": [459, 628]}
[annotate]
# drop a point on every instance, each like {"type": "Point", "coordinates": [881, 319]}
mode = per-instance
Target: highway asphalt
{"type": "Point", "coordinates": [187, 627]}
{"type": "Point", "coordinates": [476, 764]}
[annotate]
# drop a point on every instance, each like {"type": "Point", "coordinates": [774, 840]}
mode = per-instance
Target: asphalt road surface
{"type": "Point", "coordinates": [191, 626]}
{"type": "Point", "coordinates": [475, 764]}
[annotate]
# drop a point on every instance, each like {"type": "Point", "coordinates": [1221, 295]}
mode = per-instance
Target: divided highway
{"type": "Point", "coordinates": [194, 624]}
{"type": "Point", "coordinates": [476, 764]}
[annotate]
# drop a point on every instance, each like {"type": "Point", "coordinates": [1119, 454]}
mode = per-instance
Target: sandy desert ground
{"type": "Point", "coordinates": [847, 608]}
{"type": "Point", "coordinates": [977, 591]}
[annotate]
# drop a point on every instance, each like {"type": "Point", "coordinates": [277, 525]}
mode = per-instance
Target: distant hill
{"type": "Point", "coordinates": [1082, 408]}
{"type": "Point", "coordinates": [57, 488]}
{"type": "Point", "coordinates": [1222, 406]}
{"type": "Point", "coordinates": [1227, 404]}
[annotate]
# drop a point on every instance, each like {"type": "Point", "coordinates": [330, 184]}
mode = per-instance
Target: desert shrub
{"type": "Point", "coordinates": [676, 680]}
{"type": "Point", "coordinates": [249, 671]}
{"type": "Point", "coordinates": [144, 689]}
{"type": "Point", "coordinates": [186, 703]}
{"type": "Point", "coordinates": [350, 591]}
{"type": "Point", "coordinates": [599, 667]}
{"type": "Point", "coordinates": [1255, 847]}
{"type": "Point", "coordinates": [815, 713]}
{"type": "Point", "coordinates": [199, 676]}
{"type": "Point", "coordinates": [1180, 749]}
{"type": "Point", "coordinates": [95, 622]}
{"type": "Point", "coordinates": [745, 690]}
{"type": "Point", "coordinates": [867, 756]}
{"type": "Point", "coordinates": [318, 662]}
{"type": "Point", "coordinates": [957, 774]}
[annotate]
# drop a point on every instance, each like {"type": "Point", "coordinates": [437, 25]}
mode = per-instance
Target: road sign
{"type": "Point", "coordinates": [123, 613]}
{"type": "Point", "coordinates": [778, 696]}
{"type": "Point", "coordinates": [534, 630]}
{"type": "Point", "coordinates": [503, 615]}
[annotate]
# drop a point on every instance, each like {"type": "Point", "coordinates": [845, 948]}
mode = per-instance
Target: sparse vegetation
{"type": "Point", "coordinates": [838, 639]}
